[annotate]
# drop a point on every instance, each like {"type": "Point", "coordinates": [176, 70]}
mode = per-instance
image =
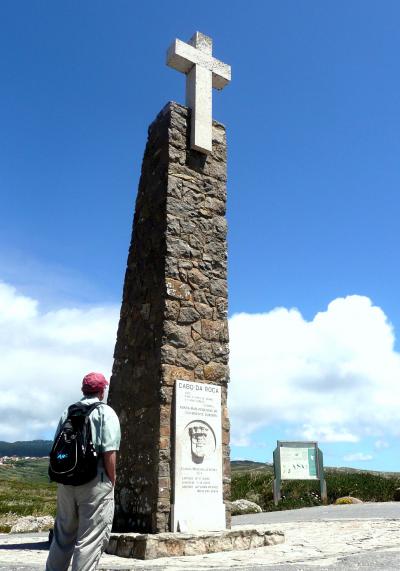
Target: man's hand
{"type": "Point", "coordinates": [110, 461]}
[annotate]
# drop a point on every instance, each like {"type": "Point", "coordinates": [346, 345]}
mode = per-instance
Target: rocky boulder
{"type": "Point", "coordinates": [347, 500]}
{"type": "Point", "coordinates": [241, 507]}
{"type": "Point", "coordinates": [31, 523]}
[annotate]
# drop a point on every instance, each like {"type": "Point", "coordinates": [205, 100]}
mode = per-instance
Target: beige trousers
{"type": "Point", "coordinates": [83, 524]}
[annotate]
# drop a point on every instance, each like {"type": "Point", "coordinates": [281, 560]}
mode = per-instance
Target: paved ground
{"type": "Point", "coordinates": [387, 510]}
{"type": "Point", "coordinates": [330, 538]}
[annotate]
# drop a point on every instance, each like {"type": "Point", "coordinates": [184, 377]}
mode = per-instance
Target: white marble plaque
{"type": "Point", "coordinates": [198, 494]}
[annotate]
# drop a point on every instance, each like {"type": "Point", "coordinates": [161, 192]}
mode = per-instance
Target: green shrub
{"type": "Point", "coordinates": [253, 486]}
{"type": "Point", "coordinates": [257, 487]}
{"type": "Point", "coordinates": [396, 495]}
{"type": "Point", "coordinates": [363, 485]}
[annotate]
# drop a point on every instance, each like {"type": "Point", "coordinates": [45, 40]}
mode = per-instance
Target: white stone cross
{"type": "Point", "coordinates": [203, 72]}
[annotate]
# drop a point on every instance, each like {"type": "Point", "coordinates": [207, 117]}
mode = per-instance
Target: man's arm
{"type": "Point", "coordinates": [110, 461]}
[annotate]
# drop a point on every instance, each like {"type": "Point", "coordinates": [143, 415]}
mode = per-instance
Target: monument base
{"type": "Point", "coordinates": [153, 546]}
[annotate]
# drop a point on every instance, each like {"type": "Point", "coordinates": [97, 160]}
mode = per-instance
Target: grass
{"type": "Point", "coordinates": [256, 486]}
{"type": "Point", "coordinates": [34, 471]}
{"type": "Point", "coordinates": [25, 489]}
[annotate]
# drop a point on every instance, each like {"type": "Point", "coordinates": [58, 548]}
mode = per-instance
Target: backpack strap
{"type": "Point", "coordinates": [96, 405]}
{"type": "Point", "coordinates": [101, 432]}
{"type": "Point", "coordinates": [81, 409]}
{"type": "Point", "coordinates": [92, 407]}
{"type": "Point", "coordinates": [77, 409]}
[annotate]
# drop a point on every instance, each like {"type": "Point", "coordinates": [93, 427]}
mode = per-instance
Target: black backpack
{"type": "Point", "coordinates": [73, 458]}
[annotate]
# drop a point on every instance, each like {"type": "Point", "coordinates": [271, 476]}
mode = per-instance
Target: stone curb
{"type": "Point", "coordinates": [154, 546]}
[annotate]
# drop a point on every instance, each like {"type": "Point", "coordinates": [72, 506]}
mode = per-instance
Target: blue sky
{"type": "Point", "coordinates": [312, 114]}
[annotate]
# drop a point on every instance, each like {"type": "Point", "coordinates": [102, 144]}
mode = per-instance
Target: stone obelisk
{"type": "Point", "coordinates": [173, 322]}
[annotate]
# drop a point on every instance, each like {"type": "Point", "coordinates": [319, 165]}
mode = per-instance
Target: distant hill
{"type": "Point", "coordinates": [34, 448]}
{"type": "Point", "coordinates": [250, 466]}
{"type": "Point", "coordinates": [40, 448]}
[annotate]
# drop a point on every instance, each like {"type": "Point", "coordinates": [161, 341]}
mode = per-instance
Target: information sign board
{"type": "Point", "coordinates": [296, 460]}
{"type": "Point", "coordinates": [298, 463]}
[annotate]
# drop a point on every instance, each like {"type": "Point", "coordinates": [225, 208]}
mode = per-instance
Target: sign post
{"type": "Point", "coordinates": [298, 461]}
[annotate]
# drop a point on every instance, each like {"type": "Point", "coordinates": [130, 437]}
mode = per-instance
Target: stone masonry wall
{"type": "Point", "coordinates": [173, 322]}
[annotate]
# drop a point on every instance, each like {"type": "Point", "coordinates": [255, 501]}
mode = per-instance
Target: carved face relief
{"type": "Point", "coordinates": [202, 440]}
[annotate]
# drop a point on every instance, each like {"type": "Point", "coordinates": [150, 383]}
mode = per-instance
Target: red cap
{"type": "Point", "coordinates": [94, 383]}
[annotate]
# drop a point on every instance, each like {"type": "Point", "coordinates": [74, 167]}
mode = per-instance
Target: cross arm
{"type": "Point", "coordinates": [182, 57]}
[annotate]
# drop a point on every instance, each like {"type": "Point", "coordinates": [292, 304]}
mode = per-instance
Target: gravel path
{"type": "Point", "coordinates": [364, 536]}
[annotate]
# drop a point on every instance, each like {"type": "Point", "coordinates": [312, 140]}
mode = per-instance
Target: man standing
{"type": "Point", "coordinates": [85, 512]}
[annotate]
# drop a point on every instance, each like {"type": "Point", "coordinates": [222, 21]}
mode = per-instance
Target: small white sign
{"type": "Point", "coordinates": [298, 463]}
{"type": "Point", "coordinates": [198, 493]}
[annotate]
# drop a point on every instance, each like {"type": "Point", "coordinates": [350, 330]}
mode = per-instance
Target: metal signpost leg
{"type": "Point", "coordinates": [324, 492]}
{"type": "Point", "coordinates": [277, 491]}
{"type": "Point", "coordinates": [322, 481]}
{"type": "Point", "coordinates": [276, 485]}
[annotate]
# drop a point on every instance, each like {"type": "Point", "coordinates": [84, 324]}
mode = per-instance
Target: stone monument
{"type": "Point", "coordinates": [170, 374]}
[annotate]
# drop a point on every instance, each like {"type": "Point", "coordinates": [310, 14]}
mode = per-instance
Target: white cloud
{"type": "Point", "coordinates": [43, 359]}
{"type": "Point", "coordinates": [381, 444]}
{"type": "Point", "coordinates": [243, 441]}
{"type": "Point", "coordinates": [334, 378]}
{"type": "Point", "coordinates": [358, 457]}
{"type": "Point", "coordinates": [327, 434]}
